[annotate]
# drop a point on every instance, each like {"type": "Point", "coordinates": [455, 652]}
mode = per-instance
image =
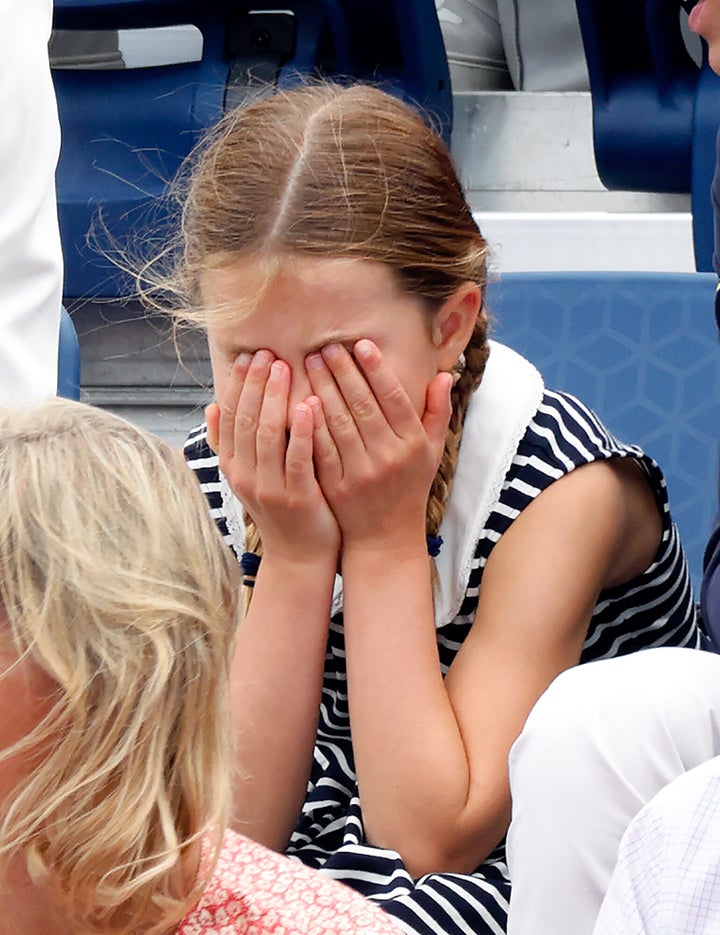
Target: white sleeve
{"type": "Point", "coordinates": [667, 877]}
{"type": "Point", "coordinates": [31, 267]}
{"type": "Point", "coordinates": [631, 899]}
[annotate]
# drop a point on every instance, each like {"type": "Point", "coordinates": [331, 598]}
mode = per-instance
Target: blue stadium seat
{"type": "Point", "coordinates": [126, 131]}
{"type": "Point", "coordinates": [641, 350]}
{"type": "Point", "coordinates": [643, 90]}
{"type": "Point", "coordinates": [68, 359]}
{"type": "Point", "coordinates": [655, 113]}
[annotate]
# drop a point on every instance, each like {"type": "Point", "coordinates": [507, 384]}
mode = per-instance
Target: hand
{"type": "Point", "coordinates": [375, 458]}
{"type": "Point", "coordinates": [271, 474]}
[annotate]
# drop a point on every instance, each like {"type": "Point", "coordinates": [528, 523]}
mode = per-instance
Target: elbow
{"type": "Point", "coordinates": [455, 851]}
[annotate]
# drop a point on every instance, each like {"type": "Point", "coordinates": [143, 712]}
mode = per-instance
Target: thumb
{"type": "Point", "coordinates": [438, 408]}
{"type": "Point", "coordinates": [212, 418]}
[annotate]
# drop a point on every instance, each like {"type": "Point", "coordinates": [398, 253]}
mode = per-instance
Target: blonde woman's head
{"type": "Point", "coordinates": [118, 594]}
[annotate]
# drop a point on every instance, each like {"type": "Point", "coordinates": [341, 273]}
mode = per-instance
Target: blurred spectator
{"type": "Point", "coordinates": [30, 252]}
{"type": "Point", "coordinates": [529, 45]}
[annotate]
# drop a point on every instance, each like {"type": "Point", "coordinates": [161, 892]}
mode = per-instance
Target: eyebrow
{"type": "Point", "coordinates": [340, 338]}
{"type": "Point", "coordinates": [345, 339]}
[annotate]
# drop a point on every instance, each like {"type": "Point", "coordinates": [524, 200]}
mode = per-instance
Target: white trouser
{"type": "Point", "coordinates": [30, 254]}
{"type": "Point", "coordinates": [602, 740]}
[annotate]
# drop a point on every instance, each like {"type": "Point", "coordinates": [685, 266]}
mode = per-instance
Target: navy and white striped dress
{"type": "Point", "coordinates": [655, 609]}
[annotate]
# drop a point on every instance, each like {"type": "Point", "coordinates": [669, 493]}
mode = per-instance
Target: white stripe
{"type": "Point", "coordinates": [486, 887]}
{"type": "Point", "coordinates": [569, 436]}
{"type": "Point", "coordinates": [549, 436]}
{"type": "Point", "coordinates": [197, 464]}
{"type": "Point", "coordinates": [453, 913]}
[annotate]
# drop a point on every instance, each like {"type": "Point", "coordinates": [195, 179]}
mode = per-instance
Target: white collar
{"type": "Point", "coordinates": [496, 420]}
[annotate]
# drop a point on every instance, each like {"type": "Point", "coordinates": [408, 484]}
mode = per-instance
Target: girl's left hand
{"type": "Point", "coordinates": [375, 458]}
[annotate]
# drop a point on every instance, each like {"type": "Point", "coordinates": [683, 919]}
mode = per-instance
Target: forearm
{"type": "Point", "coordinates": [417, 792]}
{"type": "Point", "coordinates": [276, 684]}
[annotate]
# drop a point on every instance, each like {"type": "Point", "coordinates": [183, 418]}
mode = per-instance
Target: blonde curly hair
{"type": "Point", "coordinates": [116, 584]}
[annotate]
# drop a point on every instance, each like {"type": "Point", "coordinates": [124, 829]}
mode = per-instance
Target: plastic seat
{"type": "Point", "coordinates": [126, 131]}
{"type": "Point", "coordinates": [655, 113]}
{"type": "Point", "coordinates": [68, 359]}
{"type": "Point", "coordinates": [641, 350]}
{"type": "Point", "coordinates": [643, 88]}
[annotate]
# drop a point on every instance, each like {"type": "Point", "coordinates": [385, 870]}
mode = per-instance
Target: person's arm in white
{"type": "Point", "coordinates": [30, 252]}
{"type": "Point", "coordinates": [598, 746]}
{"type": "Point", "coordinates": [667, 878]}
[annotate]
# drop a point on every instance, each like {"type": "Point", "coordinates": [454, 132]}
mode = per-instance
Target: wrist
{"type": "Point", "coordinates": [289, 560]}
{"type": "Point", "coordinates": [305, 584]}
{"type": "Point", "coordinates": [387, 547]}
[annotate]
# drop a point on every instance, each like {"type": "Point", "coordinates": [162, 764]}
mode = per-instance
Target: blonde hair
{"type": "Point", "coordinates": [331, 171]}
{"type": "Point", "coordinates": [115, 582]}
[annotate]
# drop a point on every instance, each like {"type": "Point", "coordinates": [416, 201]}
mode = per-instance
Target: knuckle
{"type": "Point", "coordinates": [391, 465]}
{"type": "Point", "coordinates": [295, 504]}
{"type": "Point", "coordinates": [394, 396]}
{"type": "Point", "coordinates": [341, 423]}
{"type": "Point", "coordinates": [265, 432]}
{"type": "Point", "coordinates": [362, 408]}
{"type": "Point", "coordinates": [268, 498]}
{"type": "Point", "coordinates": [245, 422]}
{"type": "Point", "coordinates": [296, 464]}
{"type": "Point", "coordinates": [237, 481]}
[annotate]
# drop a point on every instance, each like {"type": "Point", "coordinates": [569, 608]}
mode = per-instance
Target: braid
{"type": "Point", "coordinates": [253, 543]}
{"type": "Point", "coordinates": [476, 355]}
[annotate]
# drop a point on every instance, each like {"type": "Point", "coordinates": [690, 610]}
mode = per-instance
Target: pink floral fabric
{"type": "Point", "coordinates": [255, 891]}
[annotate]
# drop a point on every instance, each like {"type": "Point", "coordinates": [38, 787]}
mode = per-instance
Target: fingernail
{"type": "Point", "coordinates": [363, 349]}
{"type": "Point", "coordinates": [243, 360]}
{"type": "Point", "coordinates": [276, 370]}
{"type": "Point", "coordinates": [331, 351]}
{"type": "Point", "coordinates": [263, 358]}
{"type": "Point", "coordinates": [313, 361]}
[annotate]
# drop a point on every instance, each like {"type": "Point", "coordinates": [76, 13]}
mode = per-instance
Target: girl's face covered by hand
{"type": "Point", "coordinates": [310, 304]}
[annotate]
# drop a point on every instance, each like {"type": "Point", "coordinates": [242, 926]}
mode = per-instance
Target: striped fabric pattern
{"type": "Point", "coordinates": [655, 609]}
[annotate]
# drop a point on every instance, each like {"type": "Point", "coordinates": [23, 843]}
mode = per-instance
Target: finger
{"type": "Point", "coordinates": [249, 405]}
{"type": "Point", "coordinates": [357, 394]}
{"type": "Point", "coordinates": [270, 439]}
{"type": "Point", "coordinates": [390, 394]}
{"type": "Point", "coordinates": [438, 409]}
{"type": "Point", "coordinates": [337, 416]}
{"type": "Point", "coordinates": [228, 407]}
{"type": "Point", "coordinates": [299, 471]}
{"type": "Point", "coordinates": [212, 421]}
{"type": "Point", "coordinates": [326, 457]}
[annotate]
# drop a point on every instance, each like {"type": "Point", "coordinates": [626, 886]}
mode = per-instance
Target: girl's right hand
{"type": "Point", "coordinates": [271, 473]}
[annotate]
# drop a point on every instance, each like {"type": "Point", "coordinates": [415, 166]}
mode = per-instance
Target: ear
{"type": "Point", "coordinates": [454, 323]}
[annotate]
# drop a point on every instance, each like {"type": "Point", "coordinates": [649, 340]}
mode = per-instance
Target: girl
{"type": "Point", "coordinates": [117, 608]}
{"type": "Point", "coordinates": [363, 420]}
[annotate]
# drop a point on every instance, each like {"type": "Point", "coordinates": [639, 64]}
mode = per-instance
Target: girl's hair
{"type": "Point", "coordinates": [116, 583]}
{"type": "Point", "coordinates": [331, 171]}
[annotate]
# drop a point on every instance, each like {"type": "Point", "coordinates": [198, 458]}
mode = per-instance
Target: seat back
{"type": "Point", "coordinates": [126, 130]}
{"type": "Point", "coordinates": [641, 350]}
{"type": "Point", "coordinates": [655, 113]}
{"type": "Point", "coordinates": [68, 358]}
{"type": "Point", "coordinates": [642, 82]}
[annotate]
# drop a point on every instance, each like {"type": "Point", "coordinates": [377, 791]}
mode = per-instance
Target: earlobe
{"type": "Point", "coordinates": [454, 323]}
